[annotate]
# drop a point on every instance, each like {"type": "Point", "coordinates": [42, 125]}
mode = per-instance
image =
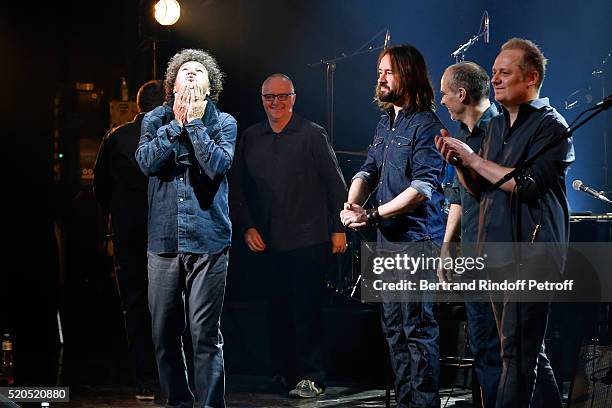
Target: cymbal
{"type": "Point", "coordinates": [349, 153]}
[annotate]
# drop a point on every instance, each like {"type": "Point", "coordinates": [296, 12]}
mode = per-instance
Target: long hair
{"type": "Point", "coordinates": [413, 85]}
{"type": "Point", "coordinates": [215, 76]}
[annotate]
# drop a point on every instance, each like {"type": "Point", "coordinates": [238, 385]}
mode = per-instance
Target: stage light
{"type": "Point", "coordinates": [167, 12]}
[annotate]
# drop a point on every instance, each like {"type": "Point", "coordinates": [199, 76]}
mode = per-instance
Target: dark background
{"type": "Point", "coordinates": [47, 48]}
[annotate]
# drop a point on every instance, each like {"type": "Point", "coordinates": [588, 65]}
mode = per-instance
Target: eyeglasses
{"type": "Point", "coordinates": [280, 97]}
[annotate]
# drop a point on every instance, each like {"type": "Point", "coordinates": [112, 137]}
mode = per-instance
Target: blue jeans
{"type": "Point", "coordinates": [412, 332]}
{"type": "Point", "coordinates": [189, 286]}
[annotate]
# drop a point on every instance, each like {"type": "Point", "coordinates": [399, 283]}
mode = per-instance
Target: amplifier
{"type": "Point", "coordinates": [591, 227]}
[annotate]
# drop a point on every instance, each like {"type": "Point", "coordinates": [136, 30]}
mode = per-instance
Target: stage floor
{"type": "Point", "coordinates": [241, 395]}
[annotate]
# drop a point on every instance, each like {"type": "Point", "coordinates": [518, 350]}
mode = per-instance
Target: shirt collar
{"type": "Point", "coordinates": [406, 111]}
{"type": "Point", "coordinates": [539, 103]}
{"type": "Point", "coordinates": [535, 104]}
{"type": "Point", "coordinates": [482, 123]}
{"type": "Point", "coordinates": [292, 125]}
{"type": "Point", "coordinates": [486, 117]}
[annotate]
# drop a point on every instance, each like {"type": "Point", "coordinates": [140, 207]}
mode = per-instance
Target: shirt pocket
{"type": "Point", "coordinates": [399, 153]}
{"type": "Point", "coordinates": [378, 148]}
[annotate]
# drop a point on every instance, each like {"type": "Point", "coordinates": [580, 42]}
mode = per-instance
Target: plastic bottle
{"type": "Point", "coordinates": [7, 366]}
{"type": "Point", "coordinates": [125, 92]}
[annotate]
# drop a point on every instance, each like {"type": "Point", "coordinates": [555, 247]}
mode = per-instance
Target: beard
{"type": "Point", "coordinates": [387, 96]}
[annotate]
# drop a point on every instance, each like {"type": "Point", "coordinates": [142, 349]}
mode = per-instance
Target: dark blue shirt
{"type": "Point", "coordinates": [544, 204]}
{"type": "Point", "coordinates": [187, 167]}
{"type": "Point", "coordinates": [470, 205]}
{"type": "Point", "coordinates": [403, 154]}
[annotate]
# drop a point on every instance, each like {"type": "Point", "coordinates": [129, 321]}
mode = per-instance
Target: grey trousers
{"type": "Point", "coordinates": [188, 286]}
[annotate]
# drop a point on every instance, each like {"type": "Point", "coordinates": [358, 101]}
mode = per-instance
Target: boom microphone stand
{"type": "Point", "coordinates": [483, 32]}
{"type": "Point", "coordinates": [522, 167]}
{"type": "Point", "coordinates": [597, 109]}
{"type": "Point", "coordinates": [601, 72]}
{"type": "Point", "coordinates": [330, 68]}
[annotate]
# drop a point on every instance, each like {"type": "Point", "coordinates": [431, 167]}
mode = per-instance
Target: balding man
{"type": "Point", "coordinates": [530, 208]}
{"type": "Point", "coordinates": [465, 93]}
{"type": "Point", "coordinates": [287, 188]}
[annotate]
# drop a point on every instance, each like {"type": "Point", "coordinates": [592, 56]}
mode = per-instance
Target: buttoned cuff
{"type": "Point", "coordinates": [195, 122]}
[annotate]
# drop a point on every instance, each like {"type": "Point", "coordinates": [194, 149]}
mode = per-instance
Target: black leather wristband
{"type": "Point", "coordinates": [372, 216]}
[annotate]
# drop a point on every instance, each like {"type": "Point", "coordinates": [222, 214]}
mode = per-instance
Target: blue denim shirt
{"type": "Point", "coordinates": [187, 167]}
{"type": "Point", "coordinates": [403, 154]}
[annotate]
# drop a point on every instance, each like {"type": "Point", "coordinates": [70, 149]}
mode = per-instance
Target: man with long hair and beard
{"type": "Point", "coordinates": [404, 172]}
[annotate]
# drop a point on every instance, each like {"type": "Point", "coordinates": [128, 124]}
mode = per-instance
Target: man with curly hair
{"type": "Point", "coordinates": [186, 149]}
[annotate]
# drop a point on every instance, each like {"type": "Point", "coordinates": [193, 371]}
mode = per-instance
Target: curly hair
{"type": "Point", "coordinates": [215, 76]}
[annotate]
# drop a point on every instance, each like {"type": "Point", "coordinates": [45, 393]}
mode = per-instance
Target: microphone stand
{"type": "Point", "coordinates": [522, 167]}
{"type": "Point", "coordinates": [552, 142]}
{"type": "Point", "coordinates": [459, 53]}
{"type": "Point", "coordinates": [330, 69]}
{"type": "Point", "coordinates": [601, 72]}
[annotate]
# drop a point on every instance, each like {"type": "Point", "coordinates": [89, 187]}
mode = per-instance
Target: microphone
{"type": "Point", "coordinates": [578, 185]}
{"type": "Point", "coordinates": [605, 104]}
{"type": "Point", "coordinates": [486, 27]}
{"type": "Point", "coordinates": [387, 38]}
{"type": "Point", "coordinates": [581, 96]}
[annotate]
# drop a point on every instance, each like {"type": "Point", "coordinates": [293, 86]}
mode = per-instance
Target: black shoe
{"type": "Point", "coordinates": [145, 394]}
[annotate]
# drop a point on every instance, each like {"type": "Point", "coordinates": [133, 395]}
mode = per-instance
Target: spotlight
{"type": "Point", "coordinates": [167, 12]}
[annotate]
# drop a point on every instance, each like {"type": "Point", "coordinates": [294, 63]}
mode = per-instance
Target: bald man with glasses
{"type": "Point", "coordinates": [286, 189]}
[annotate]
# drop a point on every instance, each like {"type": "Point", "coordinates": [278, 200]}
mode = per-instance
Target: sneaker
{"type": "Point", "coordinates": [145, 394]}
{"type": "Point", "coordinates": [306, 389]}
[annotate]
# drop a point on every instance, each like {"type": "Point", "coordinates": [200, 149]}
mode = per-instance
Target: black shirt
{"type": "Point", "coordinates": [287, 185]}
{"type": "Point", "coordinates": [119, 185]}
{"type": "Point", "coordinates": [546, 204]}
{"type": "Point", "coordinates": [470, 205]}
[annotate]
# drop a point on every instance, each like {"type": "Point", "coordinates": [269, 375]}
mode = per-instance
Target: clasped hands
{"type": "Point", "coordinates": [454, 150]}
{"type": "Point", "coordinates": [189, 102]}
{"type": "Point", "coordinates": [353, 216]}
